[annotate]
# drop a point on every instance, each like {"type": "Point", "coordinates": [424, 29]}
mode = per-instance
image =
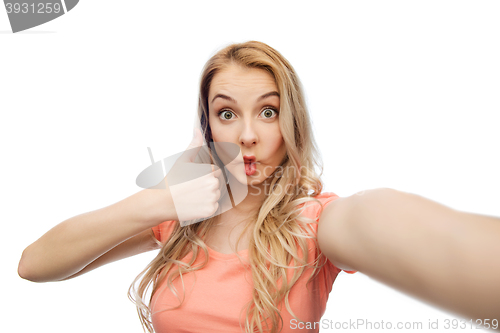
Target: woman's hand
{"type": "Point", "coordinates": [194, 187]}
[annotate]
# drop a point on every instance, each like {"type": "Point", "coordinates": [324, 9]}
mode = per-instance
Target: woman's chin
{"type": "Point", "coordinates": [247, 180]}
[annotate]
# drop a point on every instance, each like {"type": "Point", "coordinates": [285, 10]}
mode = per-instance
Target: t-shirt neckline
{"type": "Point", "coordinates": [226, 256]}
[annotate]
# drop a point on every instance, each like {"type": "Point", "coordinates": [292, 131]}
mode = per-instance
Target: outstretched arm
{"type": "Point", "coordinates": [445, 257]}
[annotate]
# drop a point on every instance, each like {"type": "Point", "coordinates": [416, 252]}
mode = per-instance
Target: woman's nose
{"type": "Point", "coordinates": [248, 135]}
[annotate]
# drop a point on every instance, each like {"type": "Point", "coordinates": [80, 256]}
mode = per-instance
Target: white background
{"type": "Point", "coordinates": [402, 94]}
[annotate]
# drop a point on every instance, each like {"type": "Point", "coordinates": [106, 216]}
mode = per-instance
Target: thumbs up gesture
{"type": "Point", "coordinates": [194, 187]}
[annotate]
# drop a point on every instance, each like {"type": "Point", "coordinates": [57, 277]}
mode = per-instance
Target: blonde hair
{"type": "Point", "coordinates": [278, 231]}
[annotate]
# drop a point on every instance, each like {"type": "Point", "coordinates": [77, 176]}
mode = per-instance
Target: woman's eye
{"type": "Point", "coordinates": [269, 113]}
{"type": "Point", "coordinates": [227, 115]}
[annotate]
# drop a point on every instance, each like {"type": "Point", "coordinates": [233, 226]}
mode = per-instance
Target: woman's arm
{"type": "Point", "coordinates": [92, 239]}
{"type": "Point", "coordinates": [448, 258]}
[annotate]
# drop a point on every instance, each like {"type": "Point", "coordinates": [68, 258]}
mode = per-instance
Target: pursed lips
{"type": "Point", "coordinates": [248, 159]}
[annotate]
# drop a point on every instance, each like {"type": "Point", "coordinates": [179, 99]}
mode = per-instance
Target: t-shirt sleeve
{"type": "Point", "coordinates": [327, 198]}
{"type": "Point", "coordinates": [163, 230]}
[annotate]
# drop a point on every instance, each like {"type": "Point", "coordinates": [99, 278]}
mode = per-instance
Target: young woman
{"type": "Point", "coordinates": [268, 261]}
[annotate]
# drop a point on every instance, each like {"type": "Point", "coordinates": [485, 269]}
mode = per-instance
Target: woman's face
{"type": "Point", "coordinates": [244, 109]}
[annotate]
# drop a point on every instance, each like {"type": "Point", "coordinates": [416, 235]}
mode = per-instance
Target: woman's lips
{"type": "Point", "coordinates": [250, 168]}
{"type": "Point", "coordinates": [248, 158]}
{"type": "Point", "coordinates": [250, 164]}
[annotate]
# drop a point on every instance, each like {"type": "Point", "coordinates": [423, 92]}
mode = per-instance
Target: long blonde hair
{"type": "Point", "coordinates": [278, 231]}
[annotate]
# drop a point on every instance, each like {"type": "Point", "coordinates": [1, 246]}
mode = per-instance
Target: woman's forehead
{"type": "Point", "coordinates": [237, 78]}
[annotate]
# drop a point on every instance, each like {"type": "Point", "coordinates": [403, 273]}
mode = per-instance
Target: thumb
{"type": "Point", "coordinates": [194, 147]}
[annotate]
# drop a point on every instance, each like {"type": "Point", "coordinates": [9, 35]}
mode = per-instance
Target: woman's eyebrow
{"type": "Point", "coordinates": [224, 97]}
{"type": "Point", "coordinates": [272, 93]}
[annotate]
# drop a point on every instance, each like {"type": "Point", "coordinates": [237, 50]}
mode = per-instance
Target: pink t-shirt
{"type": "Point", "coordinates": [216, 296]}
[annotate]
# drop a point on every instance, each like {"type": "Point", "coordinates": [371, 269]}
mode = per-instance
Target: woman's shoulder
{"type": "Point", "coordinates": [325, 197]}
{"type": "Point", "coordinates": [163, 230]}
{"type": "Point", "coordinates": [311, 208]}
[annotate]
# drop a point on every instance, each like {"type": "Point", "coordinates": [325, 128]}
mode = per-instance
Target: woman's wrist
{"type": "Point", "coordinates": [155, 206]}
